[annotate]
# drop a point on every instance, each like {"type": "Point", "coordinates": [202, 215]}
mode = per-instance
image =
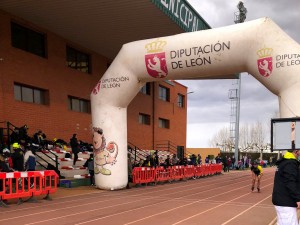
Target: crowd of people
{"type": "Point", "coordinates": [155, 160]}
{"type": "Point", "coordinates": [20, 155]}
{"type": "Point", "coordinates": [18, 160]}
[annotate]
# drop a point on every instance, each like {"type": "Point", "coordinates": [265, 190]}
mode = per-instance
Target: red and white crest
{"type": "Point", "coordinates": [156, 65]}
{"type": "Point", "coordinates": [96, 89]}
{"type": "Point", "coordinates": [265, 66]}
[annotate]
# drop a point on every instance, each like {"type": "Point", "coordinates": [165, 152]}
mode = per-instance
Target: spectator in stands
{"type": "Point", "coordinates": [129, 164]}
{"type": "Point", "coordinates": [141, 163]}
{"type": "Point", "coordinates": [161, 161]}
{"type": "Point", "coordinates": [89, 164]}
{"type": "Point", "coordinates": [3, 169]}
{"type": "Point", "coordinates": [146, 162]}
{"type": "Point", "coordinates": [39, 138]}
{"type": "Point", "coordinates": [207, 160]}
{"type": "Point", "coordinates": [167, 162]}
{"type": "Point", "coordinates": [7, 157]}
{"type": "Point", "coordinates": [239, 165]}
{"type": "Point", "coordinates": [233, 162]}
{"type": "Point", "coordinates": [156, 159]}
{"type": "Point", "coordinates": [229, 163]}
{"type": "Point", "coordinates": [199, 159]}
{"type": "Point", "coordinates": [213, 161]}
{"type": "Point", "coordinates": [29, 164]}
{"type": "Point", "coordinates": [184, 161]}
{"type": "Point", "coordinates": [225, 163]}
{"type": "Point", "coordinates": [257, 173]}
{"type": "Point", "coordinates": [274, 161]}
{"type": "Point", "coordinates": [23, 135]}
{"type": "Point", "coordinates": [75, 148]}
{"type": "Point", "coordinates": [271, 161]}
{"type": "Point", "coordinates": [29, 160]}
{"type": "Point", "coordinates": [174, 160]}
{"type": "Point", "coordinates": [17, 157]}
{"type": "Point", "coordinates": [246, 161]}
{"type": "Point", "coordinates": [193, 160]}
{"type": "Point", "coordinates": [3, 166]}
{"type": "Point", "coordinates": [14, 136]}
{"type": "Point", "coordinates": [242, 163]}
{"type": "Point", "coordinates": [218, 159]}
{"type": "Point", "coordinates": [249, 160]}
{"type": "Point", "coordinates": [151, 160]}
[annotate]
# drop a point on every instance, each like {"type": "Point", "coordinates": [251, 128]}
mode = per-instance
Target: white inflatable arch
{"type": "Point", "coordinates": [258, 47]}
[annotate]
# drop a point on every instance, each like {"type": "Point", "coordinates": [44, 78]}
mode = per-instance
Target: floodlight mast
{"type": "Point", "coordinates": [239, 17]}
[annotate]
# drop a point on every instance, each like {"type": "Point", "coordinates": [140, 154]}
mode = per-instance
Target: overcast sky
{"type": "Point", "coordinates": [209, 107]}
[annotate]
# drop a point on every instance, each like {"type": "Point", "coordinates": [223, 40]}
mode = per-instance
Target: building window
{"type": "Point", "coordinates": [30, 94]}
{"type": "Point", "coordinates": [163, 123]}
{"type": "Point", "coordinates": [164, 93]}
{"type": "Point", "coordinates": [79, 105]}
{"type": "Point", "coordinates": [78, 60]}
{"type": "Point", "coordinates": [28, 40]}
{"type": "Point", "coordinates": [180, 100]}
{"type": "Point", "coordinates": [144, 119]}
{"type": "Point", "coordinates": [146, 89]}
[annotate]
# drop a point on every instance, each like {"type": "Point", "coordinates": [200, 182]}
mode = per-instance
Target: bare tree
{"type": "Point", "coordinates": [222, 140]}
{"type": "Point", "coordinates": [251, 137]}
{"type": "Point", "coordinates": [244, 137]}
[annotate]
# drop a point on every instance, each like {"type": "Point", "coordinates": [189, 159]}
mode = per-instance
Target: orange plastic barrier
{"type": "Point", "coordinates": [206, 169]}
{"type": "Point", "coordinates": [199, 171]}
{"type": "Point", "coordinates": [50, 182]}
{"type": "Point", "coordinates": [136, 175]}
{"type": "Point", "coordinates": [216, 168]}
{"type": "Point", "coordinates": [177, 172]}
{"type": "Point", "coordinates": [143, 175]}
{"type": "Point", "coordinates": [189, 171]}
{"type": "Point", "coordinates": [27, 185]}
{"type": "Point", "coordinates": [163, 174]}
{"type": "Point", "coordinates": [219, 168]}
{"type": "Point", "coordinates": [213, 169]}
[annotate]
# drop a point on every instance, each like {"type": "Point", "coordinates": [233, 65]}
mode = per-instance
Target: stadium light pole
{"type": "Point", "coordinates": [240, 17]}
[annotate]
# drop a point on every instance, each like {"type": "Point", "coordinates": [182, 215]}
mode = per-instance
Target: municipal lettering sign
{"type": "Point", "coordinates": [183, 14]}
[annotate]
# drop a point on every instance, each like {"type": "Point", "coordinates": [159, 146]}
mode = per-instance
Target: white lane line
{"type": "Point", "coordinates": [194, 184]}
{"type": "Point", "coordinates": [245, 211]}
{"type": "Point", "coordinates": [273, 221]}
{"type": "Point", "coordinates": [215, 208]}
{"type": "Point", "coordinates": [188, 205]}
{"type": "Point", "coordinates": [113, 194]}
{"type": "Point", "coordinates": [80, 205]}
{"type": "Point", "coordinates": [75, 214]}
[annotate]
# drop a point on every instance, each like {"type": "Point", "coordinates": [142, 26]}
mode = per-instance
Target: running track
{"type": "Point", "coordinates": [217, 200]}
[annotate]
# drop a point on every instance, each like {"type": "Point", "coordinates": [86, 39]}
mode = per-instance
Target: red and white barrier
{"type": "Point", "coordinates": [144, 175]}
{"type": "Point", "coordinates": [18, 185]}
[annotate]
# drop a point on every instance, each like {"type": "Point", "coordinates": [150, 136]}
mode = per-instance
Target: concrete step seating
{"type": "Point", "coordinates": [161, 154]}
{"type": "Point", "coordinates": [65, 164]}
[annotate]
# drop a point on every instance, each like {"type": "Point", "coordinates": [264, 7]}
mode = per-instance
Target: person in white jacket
{"type": "Point", "coordinates": [29, 161]}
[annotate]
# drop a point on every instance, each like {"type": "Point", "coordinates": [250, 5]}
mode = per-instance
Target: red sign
{"type": "Point", "coordinates": [156, 65]}
{"type": "Point", "coordinates": [97, 88]}
{"type": "Point", "coordinates": [265, 66]}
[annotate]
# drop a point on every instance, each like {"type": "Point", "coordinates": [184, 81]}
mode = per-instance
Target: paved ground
{"type": "Point", "coordinates": [221, 199]}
